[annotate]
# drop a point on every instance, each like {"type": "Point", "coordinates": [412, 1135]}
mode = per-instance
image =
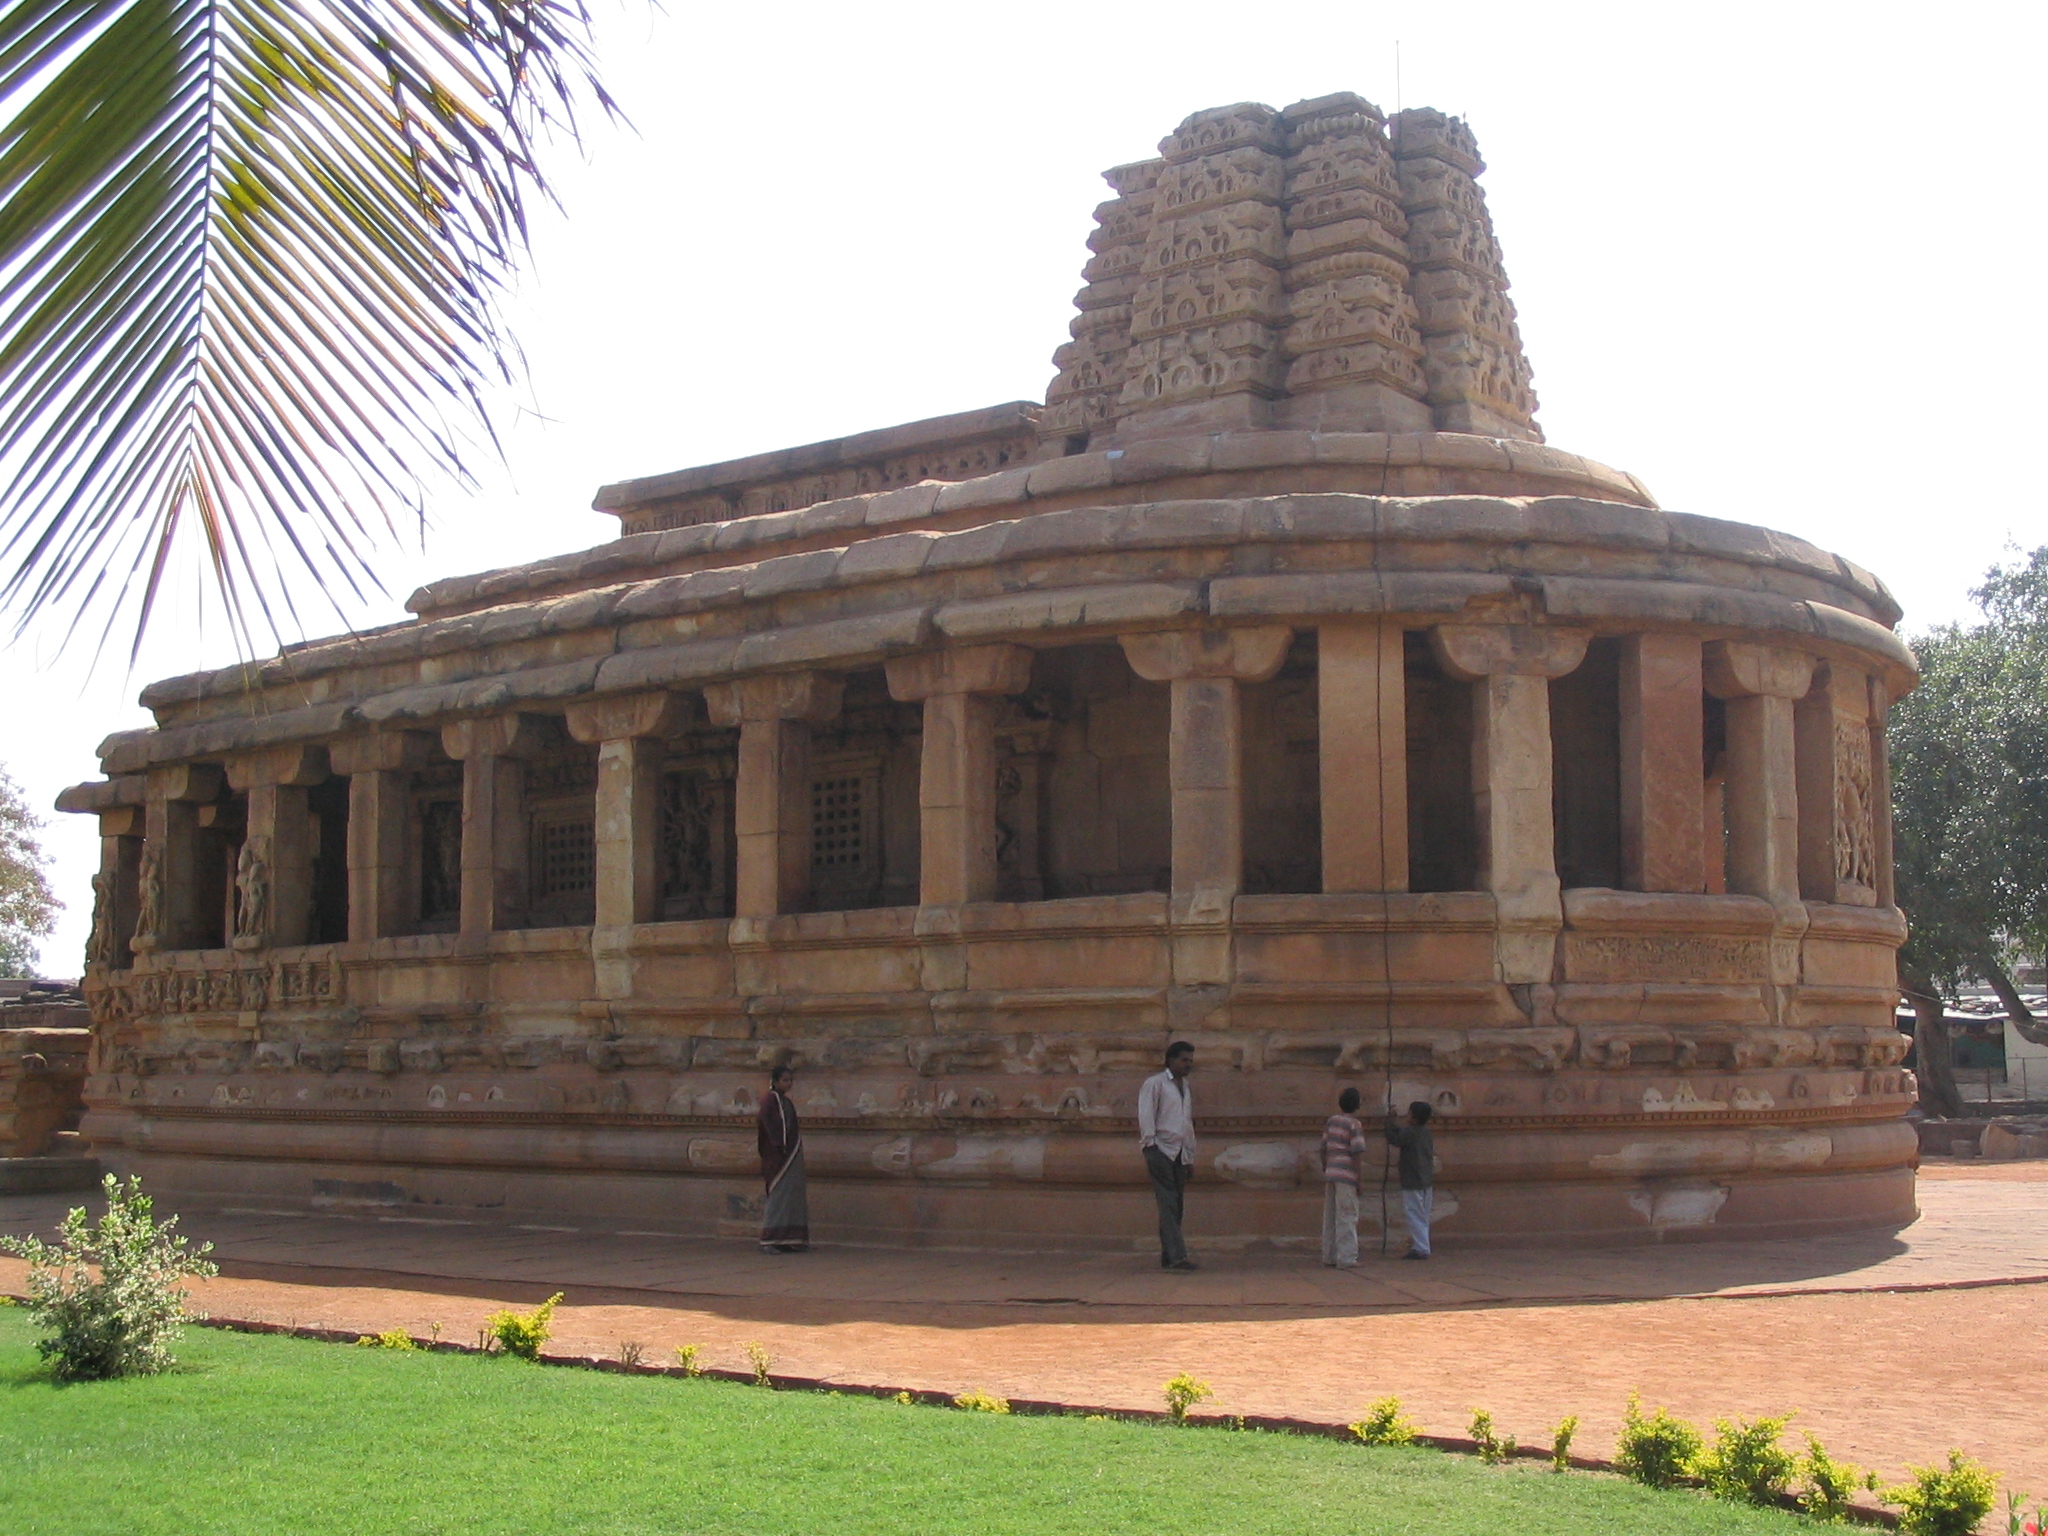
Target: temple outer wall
{"type": "Point", "coordinates": [1611, 1064]}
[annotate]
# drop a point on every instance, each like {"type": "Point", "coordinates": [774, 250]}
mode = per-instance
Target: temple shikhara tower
{"type": "Point", "coordinates": [1273, 686]}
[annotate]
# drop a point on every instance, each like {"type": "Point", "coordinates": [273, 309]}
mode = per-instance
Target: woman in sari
{"type": "Point", "coordinates": [785, 1216]}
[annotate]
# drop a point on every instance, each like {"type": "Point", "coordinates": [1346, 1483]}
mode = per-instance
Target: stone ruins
{"type": "Point", "coordinates": [1272, 686]}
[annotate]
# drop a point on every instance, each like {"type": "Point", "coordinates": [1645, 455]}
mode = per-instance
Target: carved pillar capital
{"type": "Point", "coordinates": [296, 767]}
{"type": "Point", "coordinates": [1471, 652]}
{"type": "Point", "coordinates": [1248, 654]}
{"type": "Point", "coordinates": [122, 821]}
{"type": "Point", "coordinates": [519, 736]}
{"type": "Point", "coordinates": [381, 752]}
{"type": "Point", "coordinates": [1738, 669]}
{"type": "Point", "coordinates": [628, 717]}
{"type": "Point", "coordinates": [813, 697]}
{"type": "Point", "coordinates": [185, 783]}
{"type": "Point", "coordinates": [990, 669]}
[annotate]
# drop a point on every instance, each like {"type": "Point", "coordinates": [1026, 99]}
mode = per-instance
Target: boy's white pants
{"type": "Point", "coordinates": [1340, 1224]}
{"type": "Point", "coordinates": [1415, 1205]}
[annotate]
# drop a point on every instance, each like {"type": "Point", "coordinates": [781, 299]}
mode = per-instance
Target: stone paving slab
{"type": "Point", "coordinates": [1979, 1224]}
{"type": "Point", "coordinates": [1891, 1349]}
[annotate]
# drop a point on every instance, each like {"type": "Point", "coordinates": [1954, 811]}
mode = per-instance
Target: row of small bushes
{"type": "Point", "coordinates": [1747, 1462]}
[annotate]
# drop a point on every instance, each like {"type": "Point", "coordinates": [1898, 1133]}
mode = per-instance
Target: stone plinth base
{"type": "Point", "coordinates": [47, 1175]}
{"type": "Point", "coordinates": [1874, 1189]}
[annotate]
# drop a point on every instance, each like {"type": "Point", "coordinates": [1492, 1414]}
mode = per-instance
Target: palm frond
{"type": "Point", "coordinates": [251, 259]}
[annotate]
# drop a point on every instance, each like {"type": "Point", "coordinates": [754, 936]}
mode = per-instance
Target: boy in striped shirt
{"type": "Point", "coordinates": [1343, 1154]}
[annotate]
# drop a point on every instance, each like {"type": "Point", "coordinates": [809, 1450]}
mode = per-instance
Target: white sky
{"type": "Point", "coordinates": [1779, 260]}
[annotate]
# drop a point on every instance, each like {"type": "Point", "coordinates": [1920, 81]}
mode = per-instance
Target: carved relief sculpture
{"type": "Point", "coordinates": [149, 912]}
{"type": "Point", "coordinates": [99, 945]}
{"type": "Point", "coordinates": [1855, 827]}
{"type": "Point", "coordinates": [252, 894]}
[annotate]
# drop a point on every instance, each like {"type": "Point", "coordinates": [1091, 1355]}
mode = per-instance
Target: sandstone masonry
{"type": "Point", "coordinates": [1272, 685]}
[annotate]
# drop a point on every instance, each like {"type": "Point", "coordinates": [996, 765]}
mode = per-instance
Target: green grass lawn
{"type": "Point", "coordinates": [288, 1438]}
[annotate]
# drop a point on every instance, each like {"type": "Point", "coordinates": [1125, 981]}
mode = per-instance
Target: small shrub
{"type": "Point", "coordinates": [1944, 1501]}
{"type": "Point", "coordinates": [1657, 1450]}
{"type": "Point", "coordinates": [904, 1398]}
{"type": "Point", "coordinates": [122, 1320]}
{"type": "Point", "coordinates": [1384, 1425]}
{"type": "Point", "coordinates": [1493, 1449]}
{"type": "Point", "coordinates": [981, 1402]}
{"type": "Point", "coordinates": [523, 1333]}
{"type": "Point", "coordinates": [760, 1359]}
{"type": "Point", "coordinates": [1182, 1393]}
{"type": "Point", "coordinates": [686, 1357]}
{"type": "Point", "coordinates": [631, 1353]}
{"type": "Point", "coordinates": [390, 1338]}
{"type": "Point", "coordinates": [1745, 1463]}
{"type": "Point", "coordinates": [1561, 1443]}
{"type": "Point", "coordinates": [1826, 1485]}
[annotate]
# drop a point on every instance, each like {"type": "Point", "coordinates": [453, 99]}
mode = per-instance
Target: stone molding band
{"type": "Point", "coordinates": [1659, 540]}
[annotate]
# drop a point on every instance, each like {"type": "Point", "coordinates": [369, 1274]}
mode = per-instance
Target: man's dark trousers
{"type": "Point", "coordinates": [1169, 1179]}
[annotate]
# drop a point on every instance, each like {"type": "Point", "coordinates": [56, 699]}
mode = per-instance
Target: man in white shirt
{"type": "Point", "coordinates": [1166, 1135]}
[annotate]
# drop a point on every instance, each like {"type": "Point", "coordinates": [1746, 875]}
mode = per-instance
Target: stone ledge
{"type": "Point", "coordinates": [1078, 533]}
{"type": "Point", "coordinates": [811, 458]}
{"type": "Point", "coordinates": [1161, 459]}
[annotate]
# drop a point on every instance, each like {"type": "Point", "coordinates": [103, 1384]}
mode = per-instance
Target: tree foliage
{"type": "Point", "coordinates": [251, 260]}
{"type": "Point", "coordinates": [110, 1292]}
{"type": "Point", "coordinates": [1969, 754]}
{"type": "Point", "coordinates": [28, 909]}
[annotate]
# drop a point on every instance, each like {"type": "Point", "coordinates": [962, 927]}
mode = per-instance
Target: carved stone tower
{"type": "Point", "coordinates": [1312, 269]}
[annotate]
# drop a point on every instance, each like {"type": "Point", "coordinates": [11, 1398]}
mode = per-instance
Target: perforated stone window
{"type": "Point", "coordinates": [846, 829]}
{"type": "Point", "coordinates": [568, 860]}
{"type": "Point", "coordinates": [839, 823]}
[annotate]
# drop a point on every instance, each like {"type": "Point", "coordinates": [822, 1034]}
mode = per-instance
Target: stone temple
{"type": "Point", "coordinates": [1273, 685]}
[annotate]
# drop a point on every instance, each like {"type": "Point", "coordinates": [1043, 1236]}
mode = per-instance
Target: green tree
{"type": "Point", "coordinates": [251, 261]}
{"type": "Point", "coordinates": [28, 911]}
{"type": "Point", "coordinates": [1969, 753]}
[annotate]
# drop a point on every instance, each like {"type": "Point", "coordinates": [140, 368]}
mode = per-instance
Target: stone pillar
{"type": "Point", "coordinates": [629, 733]}
{"type": "Point", "coordinates": [1362, 730]}
{"type": "Point", "coordinates": [1205, 773]}
{"type": "Point", "coordinates": [1662, 726]}
{"type": "Point", "coordinates": [956, 786]}
{"type": "Point", "coordinates": [273, 903]}
{"type": "Point", "coordinates": [772, 798]}
{"type": "Point", "coordinates": [116, 888]}
{"type": "Point", "coordinates": [494, 753]}
{"type": "Point", "coordinates": [379, 769]}
{"type": "Point", "coordinates": [1761, 684]}
{"type": "Point", "coordinates": [1837, 822]}
{"type": "Point", "coordinates": [1511, 667]}
{"type": "Point", "coordinates": [169, 900]}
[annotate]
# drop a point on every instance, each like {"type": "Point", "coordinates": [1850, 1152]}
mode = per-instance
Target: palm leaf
{"type": "Point", "coordinates": [251, 260]}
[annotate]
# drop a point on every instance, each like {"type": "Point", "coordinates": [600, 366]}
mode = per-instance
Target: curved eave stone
{"type": "Point", "coordinates": [1559, 520]}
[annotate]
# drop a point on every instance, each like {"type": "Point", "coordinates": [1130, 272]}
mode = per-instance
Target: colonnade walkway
{"type": "Point", "coordinates": [1891, 1347]}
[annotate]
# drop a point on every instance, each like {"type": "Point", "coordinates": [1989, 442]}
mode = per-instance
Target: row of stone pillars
{"type": "Point", "coordinates": [1804, 791]}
